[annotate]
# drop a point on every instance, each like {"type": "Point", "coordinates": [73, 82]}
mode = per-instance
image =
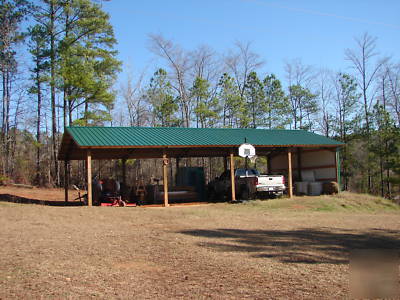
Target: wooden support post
{"type": "Point", "coordinates": [290, 180]}
{"type": "Point", "coordinates": [124, 171]}
{"type": "Point", "coordinates": [165, 179]}
{"type": "Point", "coordinates": [232, 167]}
{"type": "Point", "coordinates": [66, 179]}
{"type": "Point", "coordinates": [337, 164]}
{"type": "Point", "coordinates": [89, 177]}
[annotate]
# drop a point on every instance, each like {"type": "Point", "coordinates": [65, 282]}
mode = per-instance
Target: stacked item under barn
{"type": "Point", "coordinates": [309, 185]}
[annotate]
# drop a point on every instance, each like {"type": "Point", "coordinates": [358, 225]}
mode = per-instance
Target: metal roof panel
{"type": "Point", "coordinates": [174, 136]}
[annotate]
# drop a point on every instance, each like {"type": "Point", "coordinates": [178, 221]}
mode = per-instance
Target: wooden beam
{"type": "Point", "coordinates": [165, 178]}
{"type": "Point", "coordinates": [89, 177]}
{"type": "Point", "coordinates": [232, 167]}
{"type": "Point", "coordinates": [290, 179]}
{"type": "Point", "coordinates": [66, 180]}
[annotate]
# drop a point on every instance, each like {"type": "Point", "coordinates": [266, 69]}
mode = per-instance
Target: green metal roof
{"type": "Point", "coordinates": [173, 136]}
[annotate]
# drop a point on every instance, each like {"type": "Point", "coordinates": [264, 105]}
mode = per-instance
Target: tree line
{"type": "Point", "coordinates": [72, 69]}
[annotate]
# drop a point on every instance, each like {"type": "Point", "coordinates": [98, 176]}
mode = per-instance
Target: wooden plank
{"type": "Point", "coordinates": [165, 179]}
{"type": "Point", "coordinates": [89, 177]}
{"type": "Point", "coordinates": [290, 180]}
{"type": "Point", "coordinates": [232, 167]}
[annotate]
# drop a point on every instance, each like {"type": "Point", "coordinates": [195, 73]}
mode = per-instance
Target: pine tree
{"type": "Point", "coordinates": [385, 149]}
{"type": "Point", "coordinates": [276, 104]}
{"type": "Point", "coordinates": [229, 97]}
{"type": "Point", "coordinates": [160, 97]}
{"type": "Point", "coordinates": [12, 13]}
{"type": "Point", "coordinates": [88, 65]}
{"type": "Point", "coordinates": [254, 96]}
{"type": "Point", "coordinates": [303, 106]}
{"type": "Point", "coordinates": [37, 47]}
{"type": "Point", "coordinates": [346, 99]}
{"type": "Point", "coordinates": [207, 106]}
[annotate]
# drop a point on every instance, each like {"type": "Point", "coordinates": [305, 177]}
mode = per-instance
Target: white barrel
{"type": "Point", "coordinates": [314, 188]}
{"type": "Point", "coordinates": [301, 188]}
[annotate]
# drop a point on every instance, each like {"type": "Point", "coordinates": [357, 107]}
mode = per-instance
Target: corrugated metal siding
{"type": "Point", "coordinates": [166, 136]}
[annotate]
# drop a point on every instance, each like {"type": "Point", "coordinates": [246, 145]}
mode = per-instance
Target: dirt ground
{"type": "Point", "coordinates": [252, 250]}
{"type": "Point", "coordinates": [54, 194]}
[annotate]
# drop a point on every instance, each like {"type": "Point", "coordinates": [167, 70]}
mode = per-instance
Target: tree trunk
{"type": "Point", "coordinates": [53, 91]}
{"type": "Point", "coordinates": [3, 122]}
{"type": "Point", "coordinates": [38, 137]}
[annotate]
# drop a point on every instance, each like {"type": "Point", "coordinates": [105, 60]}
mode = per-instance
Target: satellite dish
{"type": "Point", "coordinates": [247, 150]}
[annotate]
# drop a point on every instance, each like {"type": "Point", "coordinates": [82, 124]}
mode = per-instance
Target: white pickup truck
{"type": "Point", "coordinates": [272, 185]}
{"type": "Point", "coordinates": [249, 183]}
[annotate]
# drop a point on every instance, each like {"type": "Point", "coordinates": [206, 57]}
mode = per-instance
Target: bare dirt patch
{"type": "Point", "coordinates": [253, 250]}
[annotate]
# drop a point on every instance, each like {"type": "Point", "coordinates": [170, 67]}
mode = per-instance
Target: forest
{"type": "Point", "coordinates": [59, 67]}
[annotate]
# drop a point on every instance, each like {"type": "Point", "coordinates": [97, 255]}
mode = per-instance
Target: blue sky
{"type": "Point", "coordinates": [318, 32]}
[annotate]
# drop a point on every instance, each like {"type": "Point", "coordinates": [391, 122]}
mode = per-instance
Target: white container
{"type": "Point", "coordinates": [314, 188]}
{"type": "Point", "coordinates": [301, 188]}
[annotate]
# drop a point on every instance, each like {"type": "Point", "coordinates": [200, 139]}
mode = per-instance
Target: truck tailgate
{"type": "Point", "coordinates": [270, 180]}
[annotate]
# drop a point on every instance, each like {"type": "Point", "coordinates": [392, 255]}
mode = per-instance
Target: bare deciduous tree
{"type": "Point", "coordinates": [362, 60]}
{"type": "Point", "coordinates": [297, 73]}
{"type": "Point", "coordinates": [325, 94]}
{"type": "Point", "coordinates": [392, 74]}
{"type": "Point", "coordinates": [132, 94]}
{"type": "Point", "coordinates": [241, 63]}
{"type": "Point", "coordinates": [179, 64]}
{"type": "Point", "coordinates": [299, 77]}
{"type": "Point", "coordinates": [205, 64]}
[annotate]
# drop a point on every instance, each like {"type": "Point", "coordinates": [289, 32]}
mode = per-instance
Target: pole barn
{"type": "Point", "coordinates": [290, 152]}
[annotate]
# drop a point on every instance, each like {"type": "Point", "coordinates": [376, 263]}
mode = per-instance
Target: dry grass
{"type": "Point", "coordinates": [263, 249]}
{"type": "Point", "coordinates": [343, 202]}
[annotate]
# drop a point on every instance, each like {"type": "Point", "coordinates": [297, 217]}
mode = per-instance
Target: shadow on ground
{"type": "Point", "coordinates": [18, 199]}
{"type": "Point", "coordinates": [310, 246]}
